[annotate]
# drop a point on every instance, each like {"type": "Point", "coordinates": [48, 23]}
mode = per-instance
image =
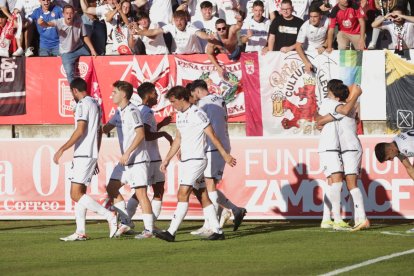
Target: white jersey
{"type": "Point", "coordinates": [161, 12]}
{"type": "Point", "coordinates": [185, 42]}
{"type": "Point", "coordinates": [191, 124]}
{"type": "Point", "coordinates": [148, 118]}
{"type": "Point", "coordinates": [154, 45]}
{"type": "Point", "coordinates": [405, 143]}
{"type": "Point", "coordinates": [207, 26]}
{"type": "Point", "coordinates": [260, 32]}
{"type": "Point", "coordinates": [347, 131]}
{"type": "Point", "coordinates": [313, 37]}
{"type": "Point", "coordinates": [117, 122]}
{"type": "Point", "coordinates": [131, 119]}
{"type": "Point", "coordinates": [247, 7]}
{"type": "Point", "coordinates": [329, 140]}
{"type": "Point", "coordinates": [216, 110]}
{"type": "Point", "coordinates": [88, 110]}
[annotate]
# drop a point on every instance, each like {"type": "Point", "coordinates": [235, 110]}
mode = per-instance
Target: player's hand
{"type": "Point", "coordinates": [164, 165]}
{"type": "Point", "coordinates": [329, 50]}
{"type": "Point", "coordinates": [230, 160]}
{"type": "Point", "coordinates": [124, 159]}
{"type": "Point", "coordinates": [40, 21]}
{"type": "Point", "coordinates": [309, 68]}
{"type": "Point", "coordinates": [249, 33]}
{"type": "Point", "coordinates": [284, 49]}
{"type": "Point", "coordinates": [57, 156]}
{"type": "Point", "coordinates": [96, 171]}
{"type": "Point", "coordinates": [321, 50]}
{"type": "Point", "coordinates": [361, 44]}
{"type": "Point", "coordinates": [166, 121]}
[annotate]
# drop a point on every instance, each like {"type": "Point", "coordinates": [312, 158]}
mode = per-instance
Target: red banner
{"type": "Point", "coordinates": [49, 97]}
{"type": "Point", "coordinates": [274, 178]}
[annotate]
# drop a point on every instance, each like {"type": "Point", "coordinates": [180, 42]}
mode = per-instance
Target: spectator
{"type": "Point", "coordinates": [228, 10]}
{"type": "Point", "coordinates": [269, 6]}
{"type": "Point", "coordinates": [284, 30]}
{"type": "Point", "coordinates": [25, 8]}
{"type": "Point", "coordinates": [185, 36]}
{"type": "Point", "coordinates": [381, 9]}
{"type": "Point", "coordinates": [161, 12]}
{"type": "Point", "coordinates": [4, 9]}
{"type": "Point", "coordinates": [195, 10]}
{"type": "Point", "coordinates": [351, 26]}
{"type": "Point", "coordinates": [254, 31]}
{"type": "Point", "coordinates": [312, 36]}
{"type": "Point", "coordinates": [401, 28]}
{"type": "Point", "coordinates": [301, 8]}
{"type": "Point", "coordinates": [6, 34]}
{"type": "Point", "coordinates": [48, 37]}
{"type": "Point", "coordinates": [95, 29]}
{"type": "Point", "coordinates": [72, 39]}
{"type": "Point", "coordinates": [206, 22]}
{"type": "Point", "coordinates": [153, 45]}
{"type": "Point", "coordinates": [225, 42]}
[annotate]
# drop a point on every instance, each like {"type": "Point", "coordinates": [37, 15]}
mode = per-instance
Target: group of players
{"type": "Point", "coordinates": [201, 143]}
{"type": "Point", "coordinates": [202, 146]}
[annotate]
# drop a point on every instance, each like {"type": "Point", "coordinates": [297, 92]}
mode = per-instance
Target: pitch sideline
{"type": "Point", "coordinates": [369, 262]}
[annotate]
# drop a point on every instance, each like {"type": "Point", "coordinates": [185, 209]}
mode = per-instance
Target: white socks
{"type": "Point", "coordinates": [178, 217]}
{"type": "Point", "coordinates": [148, 222]}
{"type": "Point", "coordinates": [213, 197]}
{"type": "Point", "coordinates": [89, 203]}
{"type": "Point", "coordinates": [359, 207]}
{"type": "Point", "coordinates": [327, 204]}
{"type": "Point", "coordinates": [211, 215]}
{"type": "Point", "coordinates": [335, 197]}
{"type": "Point", "coordinates": [80, 216]}
{"type": "Point", "coordinates": [156, 208]}
{"type": "Point", "coordinates": [132, 206]}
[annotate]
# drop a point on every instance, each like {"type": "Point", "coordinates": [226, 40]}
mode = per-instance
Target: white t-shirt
{"type": "Point", "coordinates": [207, 26]}
{"type": "Point", "coordinates": [405, 143]}
{"type": "Point", "coordinates": [195, 10]}
{"type": "Point", "coordinates": [70, 37]}
{"type": "Point", "coordinates": [161, 12]}
{"type": "Point", "coordinates": [191, 124]}
{"type": "Point", "coordinates": [260, 32]}
{"type": "Point", "coordinates": [131, 119]}
{"type": "Point", "coordinates": [347, 133]}
{"type": "Point", "coordinates": [301, 8]}
{"type": "Point", "coordinates": [154, 46]}
{"type": "Point", "coordinates": [88, 110]}
{"type": "Point", "coordinates": [185, 42]}
{"type": "Point", "coordinates": [149, 119]}
{"type": "Point", "coordinates": [313, 37]}
{"type": "Point", "coordinates": [247, 7]}
{"type": "Point", "coordinates": [117, 122]}
{"type": "Point", "coordinates": [101, 11]}
{"type": "Point", "coordinates": [26, 7]}
{"type": "Point", "coordinates": [407, 33]}
{"type": "Point", "coordinates": [216, 110]}
{"type": "Point", "coordinates": [329, 140]}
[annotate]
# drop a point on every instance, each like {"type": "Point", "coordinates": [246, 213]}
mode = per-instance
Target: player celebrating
{"type": "Point", "coordinates": [402, 147]}
{"type": "Point", "coordinates": [215, 108]}
{"type": "Point", "coordinates": [134, 157]}
{"type": "Point", "coordinates": [193, 125]}
{"type": "Point", "coordinates": [84, 165]}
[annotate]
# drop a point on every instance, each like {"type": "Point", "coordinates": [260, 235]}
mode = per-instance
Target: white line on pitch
{"type": "Point", "coordinates": [369, 262]}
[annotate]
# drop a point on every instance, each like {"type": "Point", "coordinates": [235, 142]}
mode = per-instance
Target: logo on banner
{"type": "Point", "coordinates": [65, 100]}
{"type": "Point", "coordinates": [405, 119]}
{"type": "Point", "coordinates": [249, 66]}
{"type": "Point", "coordinates": [6, 178]}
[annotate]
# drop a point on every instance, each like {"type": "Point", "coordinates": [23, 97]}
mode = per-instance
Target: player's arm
{"type": "Point", "coordinates": [329, 40]}
{"type": "Point", "coordinates": [323, 120]}
{"type": "Point", "coordinates": [216, 142]}
{"type": "Point", "coordinates": [165, 122]}
{"type": "Point", "coordinates": [303, 57]}
{"type": "Point", "coordinates": [175, 147]}
{"type": "Point", "coordinates": [212, 57]}
{"type": "Point", "coordinates": [45, 24]}
{"type": "Point", "coordinates": [355, 92]}
{"type": "Point", "coordinates": [76, 135]}
{"type": "Point", "coordinates": [86, 8]}
{"type": "Point", "coordinates": [270, 43]}
{"type": "Point", "coordinates": [361, 42]}
{"type": "Point", "coordinates": [150, 32]}
{"type": "Point", "coordinates": [407, 165]}
{"type": "Point", "coordinates": [151, 136]}
{"type": "Point", "coordinates": [139, 137]}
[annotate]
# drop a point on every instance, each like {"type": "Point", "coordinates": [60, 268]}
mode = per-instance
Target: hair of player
{"type": "Point", "coordinates": [380, 151]}
{"type": "Point", "coordinates": [125, 87]}
{"type": "Point", "coordinates": [145, 88]}
{"type": "Point", "coordinates": [333, 83]}
{"type": "Point", "coordinates": [142, 15]}
{"type": "Point", "coordinates": [206, 4]}
{"type": "Point", "coordinates": [198, 84]}
{"type": "Point", "coordinates": [179, 92]}
{"type": "Point", "coordinates": [79, 83]}
{"type": "Point", "coordinates": [341, 92]}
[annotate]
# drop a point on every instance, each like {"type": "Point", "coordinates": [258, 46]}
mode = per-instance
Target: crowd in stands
{"type": "Point", "coordinates": [110, 27]}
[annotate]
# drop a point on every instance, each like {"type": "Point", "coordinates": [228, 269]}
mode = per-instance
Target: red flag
{"type": "Point", "coordinates": [93, 87]}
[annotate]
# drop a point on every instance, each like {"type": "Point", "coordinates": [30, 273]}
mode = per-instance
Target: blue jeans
{"type": "Point", "coordinates": [51, 52]}
{"type": "Point", "coordinates": [69, 60]}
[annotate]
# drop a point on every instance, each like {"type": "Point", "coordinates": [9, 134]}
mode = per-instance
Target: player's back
{"type": "Point", "coordinates": [216, 110]}
{"type": "Point", "coordinates": [347, 132]}
{"type": "Point", "coordinates": [88, 110]}
{"type": "Point", "coordinates": [329, 140]}
{"type": "Point", "coordinates": [148, 118]}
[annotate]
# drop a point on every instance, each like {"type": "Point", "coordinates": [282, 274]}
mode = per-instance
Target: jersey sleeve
{"type": "Point", "coordinates": [136, 119]}
{"type": "Point", "coordinates": [169, 28]}
{"type": "Point", "coordinates": [202, 119]}
{"type": "Point", "coordinates": [81, 113]}
{"type": "Point", "coordinates": [301, 38]}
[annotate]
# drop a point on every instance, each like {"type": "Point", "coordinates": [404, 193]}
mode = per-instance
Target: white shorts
{"type": "Point", "coordinates": [215, 165]}
{"type": "Point", "coordinates": [191, 171]}
{"type": "Point", "coordinates": [154, 173]}
{"type": "Point", "coordinates": [137, 175]}
{"type": "Point", "coordinates": [118, 173]}
{"type": "Point", "coordinates": [331, 162]}
{"type": "Point", "coordinates": [82, 170]}
{"type": "Point", "coordinates": [352, 162]}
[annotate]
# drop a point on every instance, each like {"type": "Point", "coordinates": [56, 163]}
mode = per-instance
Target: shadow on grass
{"type": "Point", "coordinates": [36, 225]}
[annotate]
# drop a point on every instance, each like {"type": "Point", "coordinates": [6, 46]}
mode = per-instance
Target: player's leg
{"type": "Point", "coordinates": [327, 206]}
{"type": "Point", "coordinates": [157, 177]}
{"type": "Point", "coordinates": [211, 215]}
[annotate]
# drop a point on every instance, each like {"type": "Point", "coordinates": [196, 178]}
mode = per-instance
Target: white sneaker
{"type": "Point", "coordinates": [225, 216]}
{"type": "Point", "coordinates": [29, 52]}
{"type": "Point", "coordinates": [144, 235]}
{"type": "Point", "coordinates": [19, 52]}
{"type": "Point", "coordinates": [202, 232]}
{"type": "Point", "coordinates": [113, 226]}
{"type": "Point", "coordinates": [74, 237]}
{"type": "Point", "coordinates": [121, 230]}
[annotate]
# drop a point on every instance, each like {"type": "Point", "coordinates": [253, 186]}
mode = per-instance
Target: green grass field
{"type": "Point", "coordinates": [258, 248]}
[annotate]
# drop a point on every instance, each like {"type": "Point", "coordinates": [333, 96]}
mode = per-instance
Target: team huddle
{"type": "Point", "coordinates": [202, 146]}
{"type": "Point", "coordinates": [201, 143]}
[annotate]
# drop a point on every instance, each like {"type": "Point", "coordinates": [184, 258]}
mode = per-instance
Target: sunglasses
{"type": "Point", "coordinates": [222, 29]}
